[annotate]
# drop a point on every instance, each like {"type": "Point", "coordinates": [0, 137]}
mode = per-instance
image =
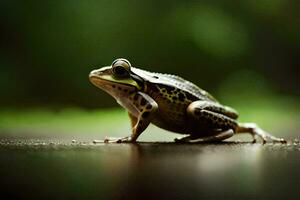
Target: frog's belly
{"type": "Point", "coordinates": [171, 117]}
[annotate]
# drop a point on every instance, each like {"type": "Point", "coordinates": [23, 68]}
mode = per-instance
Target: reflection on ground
{"type": "Point", "coordinates": [231, 170]}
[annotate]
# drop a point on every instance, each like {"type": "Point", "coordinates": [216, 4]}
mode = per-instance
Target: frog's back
{"type": "Point", "coordinates": [174, 81]}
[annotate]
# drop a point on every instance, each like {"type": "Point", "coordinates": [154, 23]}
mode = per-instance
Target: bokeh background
{"type": "Point", "coordinates": [246, 53]}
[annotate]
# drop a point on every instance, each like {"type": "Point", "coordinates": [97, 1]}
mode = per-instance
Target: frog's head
{"type": "Point", "coordinates": [117, 79]}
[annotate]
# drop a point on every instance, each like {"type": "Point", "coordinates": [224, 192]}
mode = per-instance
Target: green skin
{"type": "Point", "coordinates": [171, 103]}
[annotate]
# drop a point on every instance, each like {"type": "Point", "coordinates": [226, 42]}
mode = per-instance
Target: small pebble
{"type": "Point", "coordinates": [74, 141]}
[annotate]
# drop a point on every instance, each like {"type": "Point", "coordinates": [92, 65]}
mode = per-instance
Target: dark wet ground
{"type": "Point", "coordinates": [82, 170]}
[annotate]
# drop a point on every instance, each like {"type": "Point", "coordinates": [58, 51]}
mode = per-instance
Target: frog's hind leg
{"type": "Point", "coordinates": [256, 131]}
{"type": "Point", "coordinates": [209, 122]}
{"type": "Point", "coordinates": [219, 136]}
{"type": "Point", "coordinates": [213, 107]}
{"type": "Point", "coordinates": [209, 116]}
{"type": "Point", "coordinates": [205, 115]}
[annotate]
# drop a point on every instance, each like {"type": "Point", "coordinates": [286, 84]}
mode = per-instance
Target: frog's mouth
{"type": "Point", "coordinates": [102, 82]}
{"type": "Point", "coordinates": [115, 89]}
{"type": "Point", "coordinates": [99, 82]}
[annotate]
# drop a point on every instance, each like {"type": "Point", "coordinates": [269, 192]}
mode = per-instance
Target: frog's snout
{"type": "Point", "coordinates": [97, 73]}
{"type": "Point", "coordinates": [94, 75]}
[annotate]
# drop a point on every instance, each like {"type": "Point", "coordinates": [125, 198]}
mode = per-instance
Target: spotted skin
{"type": "Point", "coordinates": [210, 120]}
{"type": "Point", "coordinates": [172, 104]}
{"type": "Point", "coordinates": [215, 107]}
{"type": "Point", "coordinates": [181, 113]}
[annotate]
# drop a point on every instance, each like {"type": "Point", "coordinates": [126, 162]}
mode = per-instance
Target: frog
{"type": "Point", "coordinates": [171, 103]}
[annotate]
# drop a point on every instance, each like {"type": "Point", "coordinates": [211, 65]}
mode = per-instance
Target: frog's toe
{"type": "Point", "coordinates": [117, 140]}
{"type": "Point", "coordinates": [263, 138]}
{"type": "Point", "coordinates": [107, 140]}
{"type": "Point", "coordinates": [124, 140]}
{"type": "Point", "coordinates": [256, 131]}
{"type": "Point", "coordinates": [182, 139]}
{"type": "Point", "coordinates": [281, 140]}
{"type": "Point", "coordinates": [254, 140]}
{"type": "Point", "coordinates": [98, 141]}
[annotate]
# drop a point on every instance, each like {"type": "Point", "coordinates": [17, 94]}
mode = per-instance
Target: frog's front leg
{"type": "Point", "coordinates": [145, 107]}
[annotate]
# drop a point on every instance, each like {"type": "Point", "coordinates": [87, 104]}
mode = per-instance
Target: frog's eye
{"type": "Point", "coordinates": [121, 68]}
{"type": "Point", "coordinates": [120, 71]}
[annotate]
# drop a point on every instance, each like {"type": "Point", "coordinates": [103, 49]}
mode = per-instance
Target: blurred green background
{"type": "Point", "coordinates": [246, 53]}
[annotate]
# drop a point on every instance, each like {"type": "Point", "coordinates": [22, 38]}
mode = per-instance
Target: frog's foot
{"type": "Point", "coordinates": [256, 131]}
{"type": "Point", "coordinates": [126, 139]}
{"type": "Point", "coordinates": [114, 140]}
{"type": "Point", "coordinates": [215, 138]}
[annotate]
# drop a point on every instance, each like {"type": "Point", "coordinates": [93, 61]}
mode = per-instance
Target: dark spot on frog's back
{"type": "Point", "coordinates": [131, 92]}
{"type": "Point", "coordinates": [143, 102]}
{"type": "Point", "coordinates": [149, 106]}
{"type": "Point", "coordinates": [152, 87]}
{"type": "Point", "coordinates": [145, 114]}
{"type": "Point", "coordinates": [181, 97]}
{"type": "Point", "coordinates": [169, 89]}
